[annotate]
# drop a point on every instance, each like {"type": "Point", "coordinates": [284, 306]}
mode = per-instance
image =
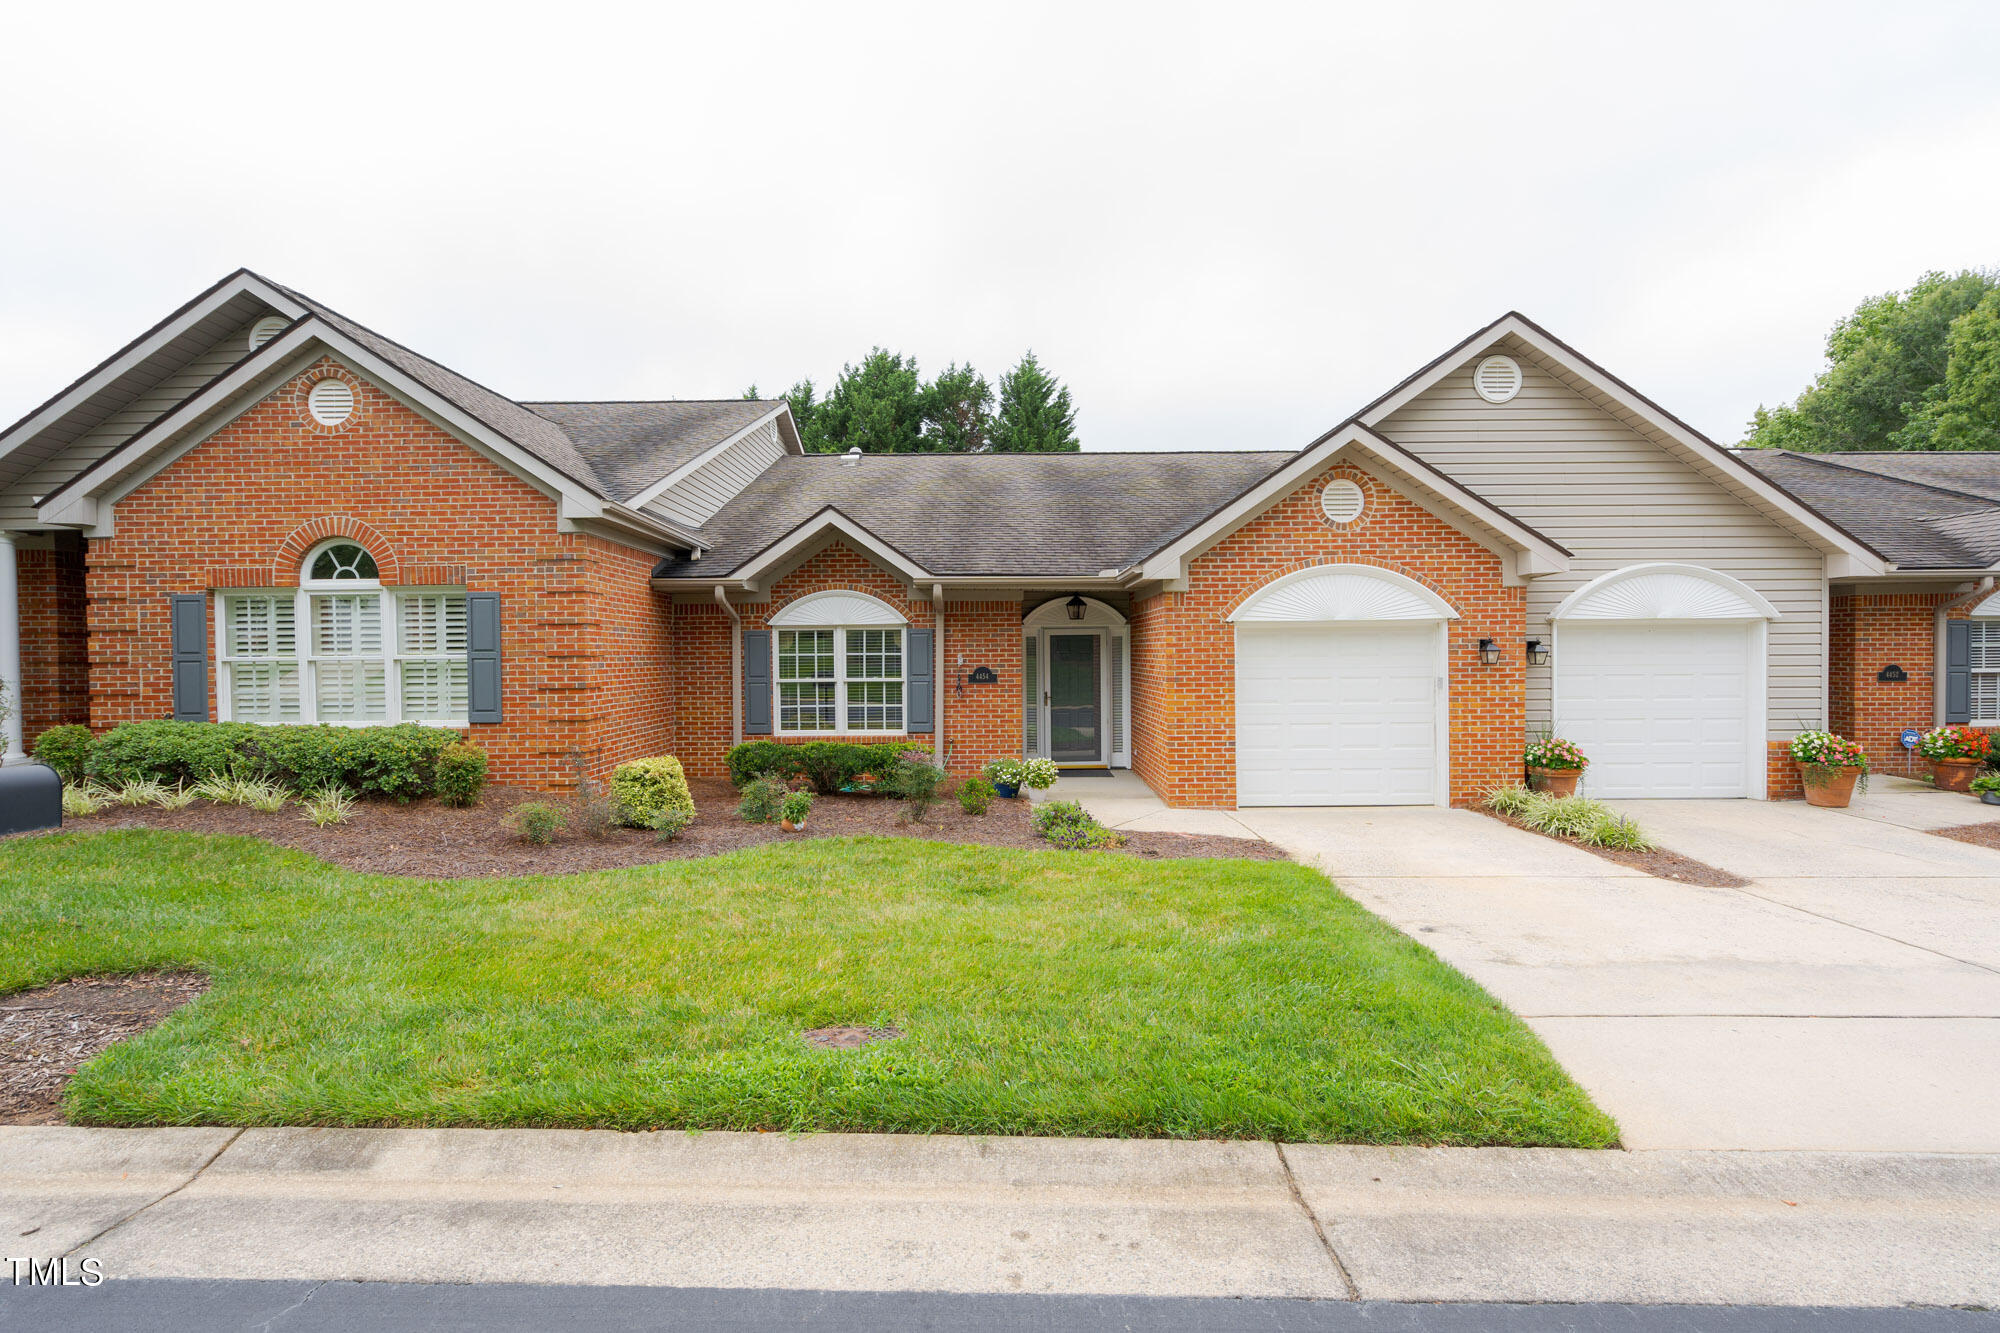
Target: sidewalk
{"type": "Point", "coordinates": [909, 1213]}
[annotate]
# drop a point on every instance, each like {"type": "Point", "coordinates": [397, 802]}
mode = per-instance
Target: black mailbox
{"type": "Point", "coordinates": [30, 798]}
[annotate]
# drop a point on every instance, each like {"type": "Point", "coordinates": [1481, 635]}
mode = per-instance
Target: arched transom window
{"type": "Point", "coordinates": [367, 655]}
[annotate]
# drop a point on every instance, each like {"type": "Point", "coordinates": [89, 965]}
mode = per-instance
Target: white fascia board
{"type": "Point", "coordinates": [827, 520]}
{"type": "Point", "coordinates": [1702, 452]}
{"type": "Point", "coordinates": [103, 476]}
{"type": "Point", "coordinates": [133, 356]}
{"type": "Point", "coordinates": [695, 464]}
{"type": "Point", "coordinates": [1171, 563]}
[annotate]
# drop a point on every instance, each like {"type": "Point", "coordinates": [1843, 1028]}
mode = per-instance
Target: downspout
{"type": "Point", "coordinates": [735, 666]}
{"type": "Point", "coordinates": [937, 675]}
{"type": "Point", "coordinates": [1938, 650]}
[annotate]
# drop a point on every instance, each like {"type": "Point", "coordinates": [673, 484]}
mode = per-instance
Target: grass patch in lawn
{"type": "Point", "coordinates": [1038, 993]}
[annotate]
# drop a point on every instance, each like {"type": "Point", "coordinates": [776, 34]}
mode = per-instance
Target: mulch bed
{"type": "Point", "coordinates": [1658, 862]}
{"type": "Point", "coordinates": [1979, 835]}
{"type": "Point", "coordinates": [429, 841]}
{"type": "Point", "coordinates": [47, 1032]}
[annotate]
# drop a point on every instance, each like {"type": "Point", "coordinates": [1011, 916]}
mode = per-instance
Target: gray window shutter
{"type": "Point", "coordinates": [1958, 671]}
{"type": "Point", "coordinates": [918, 688]}
{"type": "Point", "coordinates": [482, 657]}
{"type": "Point", "coordinates": [756, 682]}
{"type": "Point", "coordinates": [1029, 703]}
{"type": "Point", "coordinates": [190, 634]}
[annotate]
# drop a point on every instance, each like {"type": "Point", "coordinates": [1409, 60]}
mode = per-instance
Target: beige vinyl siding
{"type": "Point", "coordinates": [693, 500]}
{"type": "Point", "coordinates": [17, 502]}
{"type": "Point", "coordinates": [1616, 498]}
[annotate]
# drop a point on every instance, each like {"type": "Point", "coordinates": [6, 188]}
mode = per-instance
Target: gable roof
{"type": "Point", "coordinates": [632, 445]}
{"type": "Point", "coordinates": [1969, 472]}
{"type": "Point", "coordinates": [1917, 524]}
{"type": "Point", "coordinates": [1031, 516]}
{"type": "Point", "coordinates": [1520, 336]}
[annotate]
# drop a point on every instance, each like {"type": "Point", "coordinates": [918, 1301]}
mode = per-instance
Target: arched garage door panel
{"type": "Point", "coordinates": [1661, 709]}
{"type": "Point", "coordinates": [1337, 714]}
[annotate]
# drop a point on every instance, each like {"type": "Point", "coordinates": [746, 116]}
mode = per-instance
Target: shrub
{"type": "Point", "coordinates": [398, 762]}
{"type": "Point", "coordinates": [828, 765]}
{"type": "Point", "coordinates": [796, 806]}
{"type": "Point", "coordinates": [1514, 801]}
{"type": "Point", "coordinates": [67, 749]}
{"type": "Point", "coordinates": [80, 799]}
{"type": "Point", "coordinates": [917, 782]}
{"type": "Point", "coordinates": [753, 759]}
{"type": "Point", "coordinates": [974, 795]}
{"type": "Point", "coordinates": [1553, 752]}
{"type": "Point", "coordinates": [184, 752]}
{"type": "Point", "coordinates": [1578, 818]}
{"type": "Point", "coordinates": [460, 774]}
{"type": "Point", "coordinates": [1067, 825]}
{"type": "Point", "coordinates": [671, 822]}
{"type": "Point", "coordinates": [537, 822]}
{"type": "Point", "coordinates": [644, 787]}
{"type": "Point", "coordinates": [329, 805]}
{"type": "Point", "coordinates": [763, 799]}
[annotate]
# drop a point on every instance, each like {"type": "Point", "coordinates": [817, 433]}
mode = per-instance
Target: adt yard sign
{"type": "Point", "coordinates": [1910, 737]}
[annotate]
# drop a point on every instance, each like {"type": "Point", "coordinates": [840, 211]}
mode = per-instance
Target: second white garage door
{"type": "Point", "coordinates": [1342, 714]}
{"type": "Point", "coordinates": [1661, 710]}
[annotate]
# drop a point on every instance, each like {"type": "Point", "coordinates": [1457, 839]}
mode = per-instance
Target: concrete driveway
{"type": "Point", "coordinates": [1847, 998]}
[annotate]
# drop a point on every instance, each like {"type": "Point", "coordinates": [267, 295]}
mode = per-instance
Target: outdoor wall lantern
{"type": "Point", "coordinates": [1538, 653]}
{"type": "Point", "coordinates": [1075, 608]}
{"type": "Point", "coordinates": [1489, 652]}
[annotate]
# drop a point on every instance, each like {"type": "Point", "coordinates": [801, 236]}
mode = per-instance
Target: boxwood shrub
{"type": "Point", "coordinates": [399, 762]}
{"type": "Point", "coordinates": [830, 765]}
{"type": "Point", "coordinates": [643, 788]}
{"type": "Point", "coordinates": [67, 749]}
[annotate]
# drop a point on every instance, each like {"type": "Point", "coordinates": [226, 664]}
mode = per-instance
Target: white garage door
{"type": "Point", "coordinates": [1336, 714]}
{"type": "Point", "coordinates": [1661, 710]}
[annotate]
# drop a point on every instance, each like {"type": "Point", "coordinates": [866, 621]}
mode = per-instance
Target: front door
{"type": "Point", "coordinates": [1075, 704]}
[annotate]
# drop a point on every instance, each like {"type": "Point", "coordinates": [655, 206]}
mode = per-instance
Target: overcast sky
{"type": "Point", "coordinates": [1225, 226]}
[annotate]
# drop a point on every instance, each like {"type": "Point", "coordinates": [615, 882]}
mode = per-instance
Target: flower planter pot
{"type": "Point", "coordinates": [1829, 787]}
{"type": "Point", "coordinates": [789, 827]}
{"type": "Point", "coordinates": [1555, 781]}
{"type": "Point", "coordinates": [1006, 789]}
{"type": "Point", "coordinates": [1955, 774]}
{"type": "Point", "coordinates": [1990, 797]}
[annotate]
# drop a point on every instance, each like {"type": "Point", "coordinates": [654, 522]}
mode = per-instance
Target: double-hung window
{"type": "Point", "coordinates": [341, 648]}
{"type": "Point", "coordinates": [1985, 643]}
{"type": "Point", "coordinates": [840, 680]}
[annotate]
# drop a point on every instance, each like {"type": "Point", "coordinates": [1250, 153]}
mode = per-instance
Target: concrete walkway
{"type": "Point", "coordinates": [907, 1213]}
{"type": "Point", "coordinates": [1847, 998]}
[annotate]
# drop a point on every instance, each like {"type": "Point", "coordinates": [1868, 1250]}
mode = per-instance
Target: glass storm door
{"type": "Point", "coordinates": [1075, 707]}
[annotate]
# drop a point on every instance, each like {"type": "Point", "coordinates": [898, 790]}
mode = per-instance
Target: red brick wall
{"type": "Point", "coordinates": [1870, 631]}
{"type": "Point", "coordinates": [582, 635]}
{"type": "Point", "coordinates": [1183, 650]}
{"type": "Point", "coordinates": [55, 641]}
{"type": "Point", "coordinates": [981, 723]}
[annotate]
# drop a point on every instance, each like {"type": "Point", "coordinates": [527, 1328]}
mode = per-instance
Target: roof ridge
{"type": "Point", "coordinates": [586, 402]}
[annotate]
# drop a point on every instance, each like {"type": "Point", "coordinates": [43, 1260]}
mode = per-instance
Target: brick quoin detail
{"type": "Point", "coordinates": [585, 648]}
{"type": "Point", "coordinates": [1183, 646]}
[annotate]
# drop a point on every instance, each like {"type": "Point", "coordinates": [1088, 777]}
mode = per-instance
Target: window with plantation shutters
{"type": "Point", "coordinates": [343, 649]}
{"type": "Point", "coordinates": [840, 680]}
{"type": "Point", "coordinates": [1984, 638]}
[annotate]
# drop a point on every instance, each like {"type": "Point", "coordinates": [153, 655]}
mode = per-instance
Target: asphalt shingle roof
{"type": "Point", "coordinates": [1895, 506]}
{"type": "Point", "coordinates": [632, 445]}
{"type": "Point", "coordinates": [1030, 515]}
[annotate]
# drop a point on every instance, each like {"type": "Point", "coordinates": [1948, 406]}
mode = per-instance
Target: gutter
{"type": "Point", "coordinates": [1938, 647]}
{"type": "Point", "coordinates": [735, 666]}
{"type": "Point", "coordinates": [937, 675]}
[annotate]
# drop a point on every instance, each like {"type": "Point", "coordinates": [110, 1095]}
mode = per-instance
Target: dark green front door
{"type": "Point", "coordinates": [1075, 711]}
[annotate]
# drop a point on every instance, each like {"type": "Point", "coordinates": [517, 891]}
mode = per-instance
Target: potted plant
{"type": "Point", "coordinates": [1829, 766]}
{"type": "Point", "coordinates": [1955, 752]}
{"type": "Point", "coordinates": [1554, 765]}
{"type": "Point", "coordinates": [1008, 776]}
{"type": "Point", "coordinates": [792, 814]}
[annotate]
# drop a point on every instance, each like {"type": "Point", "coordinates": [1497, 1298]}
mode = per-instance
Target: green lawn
{"type": "Point", "coordinates": [1041, 993]}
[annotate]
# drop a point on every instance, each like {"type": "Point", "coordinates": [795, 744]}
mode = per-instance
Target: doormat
{"type": "Point", "coordinates": [1084, 773]}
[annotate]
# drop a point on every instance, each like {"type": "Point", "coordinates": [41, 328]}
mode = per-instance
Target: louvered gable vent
{"type": "Point", "coordinates": [1497, 379]}
{"type": "Point", "coordinates": [266, 329]}
{"type": "Point", "coordinates": [331, 402]}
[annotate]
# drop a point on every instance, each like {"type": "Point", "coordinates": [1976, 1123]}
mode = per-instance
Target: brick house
{"type": "Point", "coordinates": [260, 510]}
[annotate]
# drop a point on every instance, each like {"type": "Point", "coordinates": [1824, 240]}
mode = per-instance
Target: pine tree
{"type": "Point", "coordinates": [1035, 415]}
{"type": "Point", "coordinates": [958, 412]}
{"type": "Point", "coordinates": [877, 405]}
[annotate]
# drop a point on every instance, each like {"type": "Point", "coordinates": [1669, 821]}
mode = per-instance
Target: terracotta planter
{"type": "Point", "coordinates": [1555, 781]}
{"type": "Point", "coordinates": [1955, 774]}
{"type": "Point", "coordinates": [789, 827]}
{"type": "Point", "coordinates": [1830, 787]}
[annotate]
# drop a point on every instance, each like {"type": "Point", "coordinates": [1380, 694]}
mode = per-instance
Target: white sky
{"type": "Point", "coordinates": [1225, 226]}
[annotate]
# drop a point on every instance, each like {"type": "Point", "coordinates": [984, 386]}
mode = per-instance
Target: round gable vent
{"type": "Point", "coordinates": [266, 329]}
{"type": "Point", "coordinates": [331, 402]}
{"type": "Point", "coordinates": [1341, 501]}
{"type": "Point", "coordinates": [1497, 378]}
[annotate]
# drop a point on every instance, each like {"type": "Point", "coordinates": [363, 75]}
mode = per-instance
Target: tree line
{"type": "Point", "coordinates": [884, 406]}
{"type": "Point", "coordinates": [1907, 370]}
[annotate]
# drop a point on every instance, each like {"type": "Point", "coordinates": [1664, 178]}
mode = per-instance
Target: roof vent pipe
{"type": "Point", "coordinates": [851, 457]}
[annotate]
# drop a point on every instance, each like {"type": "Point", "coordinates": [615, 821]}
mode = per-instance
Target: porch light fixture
{"type": "Point", "coordinates": [1538, 653]}
{"type": "Point", "coordinates": [1489, 652]}
{"type": "Point", "coordinates": [1075, 608]}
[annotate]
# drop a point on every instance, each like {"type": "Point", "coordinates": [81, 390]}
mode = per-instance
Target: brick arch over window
{"type": "Point", "coordinates": [285, 565]}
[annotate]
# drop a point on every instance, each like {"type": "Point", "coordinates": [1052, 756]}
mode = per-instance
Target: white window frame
{"type": "Point", "coordinates": [393, 654]}
{"type": "Point", "coordinates": [841, 680]}
{"type": "Point", "coordinates": [1992, 626]}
